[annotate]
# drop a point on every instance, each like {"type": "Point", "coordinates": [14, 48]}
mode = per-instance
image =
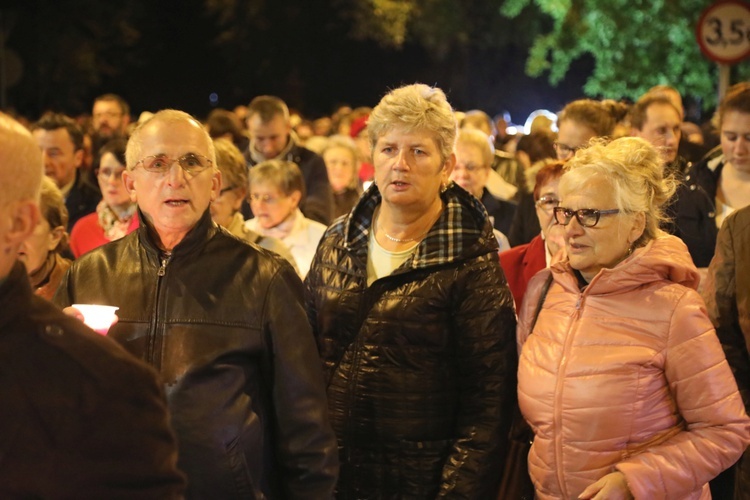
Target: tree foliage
{"type": "Point", "coordinates": [635, 44]}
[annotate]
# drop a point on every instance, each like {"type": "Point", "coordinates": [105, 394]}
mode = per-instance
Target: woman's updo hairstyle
{"type": "Point", "coordinates": [635, 170]}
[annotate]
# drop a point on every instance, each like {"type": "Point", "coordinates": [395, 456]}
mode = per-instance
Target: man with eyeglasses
{"type": "Point", "coordinates": [222, 321]}
{"type": "Point", "coordinates": [110, 117]}
{"type": "Point", "coordinates": [271, 138]}
{"type": "Point", "coordinates": [61, 142]}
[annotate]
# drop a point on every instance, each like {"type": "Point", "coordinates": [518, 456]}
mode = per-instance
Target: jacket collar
{"type": "Point", "coordinates": [203, 230]}
{"type": "Point", "coordinates": [463, 230]}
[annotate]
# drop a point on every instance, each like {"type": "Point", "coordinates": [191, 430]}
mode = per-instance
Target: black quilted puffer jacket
{"type": "Point", "coordinates": [421, 365]}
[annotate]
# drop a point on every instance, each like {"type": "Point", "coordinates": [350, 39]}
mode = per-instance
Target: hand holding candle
{"type": "Point", "coordinates": [97, 317]}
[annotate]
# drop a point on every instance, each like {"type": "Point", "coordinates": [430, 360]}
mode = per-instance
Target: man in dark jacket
{"type": "Point", "coordinates": [222, 321]}
{"type": "Point", "coordinates": [271, 139]}
{"type": "Point", "coordinates": [61, 142]}
{"type": "Point", "coordinates": [80, 417]}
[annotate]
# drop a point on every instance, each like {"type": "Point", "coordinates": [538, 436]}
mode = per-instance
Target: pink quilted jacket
{"type": "Point", "coordinates": [628, 375]}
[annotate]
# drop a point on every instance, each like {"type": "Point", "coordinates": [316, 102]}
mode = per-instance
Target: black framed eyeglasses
{"type": "Point", "coordinates": [192, 163]}
{"type": "Point", "coordinates": [586, 217]}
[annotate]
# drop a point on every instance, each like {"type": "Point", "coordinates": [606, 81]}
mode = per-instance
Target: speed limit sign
{"type": "Point", "coordinates": [723, 31]}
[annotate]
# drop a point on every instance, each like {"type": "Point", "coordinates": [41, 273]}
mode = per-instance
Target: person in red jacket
{"type": "Point", "coordinates": [621, 377]}
{"type": "Point", "coordinates": [522, 262]}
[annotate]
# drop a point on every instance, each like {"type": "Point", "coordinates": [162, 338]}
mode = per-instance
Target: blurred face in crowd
{"type": "Point", "coordinates": [270, 205]}
{"type": "Point", "coordinates": [269, 138]}
{"type": "Point", "coordinates": [173, 200]}
{"type": "Point", "coordinates": [61, 159]}
{"type": "Point", "coordinates": [35, 249]}
{"type": "Point", "coordinates": [549, 198]}
{"type": "Point", "coordinates": [591, 249]}
{"type": "Point", "coordinates": [110, 182]}
{"type": "Point", "coordinates": [409, 170]}
{"type": "Point", "coordinates": [108, 119]}
{"type": "Point", "coordinates": [470, 171]}
{"type": "Point", "coordinates": [735, 139]}
{"type": "Point", "coordinates": [227, 204]}
{"type": "Point", "coordinates": [341, 166]}
{"type": "Point", "coordinates": [570, 137]}
{"type": "Point", "coordinates": [662, 129]}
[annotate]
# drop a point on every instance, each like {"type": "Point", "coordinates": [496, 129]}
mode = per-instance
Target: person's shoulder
{"type": "Point", "coordinates": [69, 349]}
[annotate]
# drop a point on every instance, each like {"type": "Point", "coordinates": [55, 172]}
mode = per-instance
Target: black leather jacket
{"type": "Point", "coordinates": [420, 365]}
{"type": "Point", "coordinates": [224, 324]}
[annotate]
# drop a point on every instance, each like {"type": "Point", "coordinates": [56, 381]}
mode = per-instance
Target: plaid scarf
{"type": "Point", "coordinates": [463, 229]}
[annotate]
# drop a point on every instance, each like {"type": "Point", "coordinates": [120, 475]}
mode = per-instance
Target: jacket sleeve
{"type": "Point", "coordinates": [720, 295]}
{"type": "Point", "coordinates": [716, 429]}
{"type": "Point", "coordinates": [306, 446]}
{"type": "Point", "coordinates": [484, 333]}
{"type": "Point", "coordinates": [318, 202]}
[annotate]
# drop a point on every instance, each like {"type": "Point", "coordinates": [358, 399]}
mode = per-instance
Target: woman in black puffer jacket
{"type": "Point", "coordinates": [414, 319]}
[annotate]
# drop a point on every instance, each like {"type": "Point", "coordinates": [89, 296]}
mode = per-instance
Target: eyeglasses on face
{"type": "Point", "coordinates": [107, 173]}
{"type": "Point", "coordinates": [192, 163]}
{"type": "Point", "coordinates": [547, 203]}
{"type": "Point", "coordinates": [564, 149]}
{"type": "Point", "coordinates": [469, 167]}
{"type": "Point", "coordinates": [107, 114]}
{"type": "Point", "coordinates": [227, 189]}
{"type": "Point", "coordinates": [265, 198]}
{"type": "Point", "coordinates": [586, 217]}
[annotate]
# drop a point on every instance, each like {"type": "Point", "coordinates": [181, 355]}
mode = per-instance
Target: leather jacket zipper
{"type": "Point", "coordinates": [151, 352]}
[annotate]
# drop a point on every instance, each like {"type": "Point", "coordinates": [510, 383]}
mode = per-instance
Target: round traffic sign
{"type": "Point", "coordinates": [723, 31]}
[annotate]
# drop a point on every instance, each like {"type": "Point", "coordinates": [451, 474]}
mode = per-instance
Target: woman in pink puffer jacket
{"type": "Point", "coordinates": [622, 378]}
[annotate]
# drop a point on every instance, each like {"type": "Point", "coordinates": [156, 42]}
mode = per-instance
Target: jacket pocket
{"type": "Point", "coordinates": [421, 467]}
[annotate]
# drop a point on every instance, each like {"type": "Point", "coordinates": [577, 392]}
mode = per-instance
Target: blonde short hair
{"type": "Point", "coordinates": [634, 169]}
{"type": "Point", "coordinates": [477, 138]}
{"type": "Point", "coordinates": [284, 175]}
{"type": "Point", "coordinates": [231, 164]}
{"type": "Point", "coordinates": [53, 209]}
{"type": "Point", "coordinates": [416, 107]}
{"type": "Point", "coordinates": [134, 151]}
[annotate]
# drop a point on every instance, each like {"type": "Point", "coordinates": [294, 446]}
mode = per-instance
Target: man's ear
{"type": "Point", "coordinates": [129, 181]}
{"type": "Point", "coordinates": [78, 156]}
{"type": "Point", "coordinates": [215, 184]}
{"type": "Point", "coordinates": [24, 215]}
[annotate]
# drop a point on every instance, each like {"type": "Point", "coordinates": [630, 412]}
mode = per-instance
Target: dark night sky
{"type": "Point", "coordinates": [301, 53]}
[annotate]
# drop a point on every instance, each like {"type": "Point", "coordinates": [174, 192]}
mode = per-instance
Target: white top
{"type": "Point", "coordinates": [381, 262]}
{"type": "Point", "coordinates": [302, 240]}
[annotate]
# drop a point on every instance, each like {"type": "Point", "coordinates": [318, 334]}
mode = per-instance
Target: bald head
{"type": "Point", "coordinates": [21, 173]}
{"type": "Point", "coordinates": [21, 167]}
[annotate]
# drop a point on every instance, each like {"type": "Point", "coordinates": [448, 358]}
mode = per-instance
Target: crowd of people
{"type": "Point", "coordinates": [401, 301]}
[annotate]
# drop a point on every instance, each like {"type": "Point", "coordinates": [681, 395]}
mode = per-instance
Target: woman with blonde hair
{"type": "Point", "coordinates": [621, 376]}
{"type": "Point", "coordinates": [42, 251]}
{"type": "Point", "coordinates": [225, 209]}
{"type": "Point", "coordinates": [414, 319]}
{"type": "Point", "coordinates": [342, 163]}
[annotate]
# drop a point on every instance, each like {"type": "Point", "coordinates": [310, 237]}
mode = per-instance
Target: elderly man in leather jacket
{"type": "Point", "coordinates": [222, 321]}
{"type": "Point", "coordinates": [79, 417]}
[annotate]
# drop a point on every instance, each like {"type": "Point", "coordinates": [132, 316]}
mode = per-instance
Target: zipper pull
{"type": "Point", "coordinates": [578, 302]}
{"type": "Point", "coordinates": [164, 261]}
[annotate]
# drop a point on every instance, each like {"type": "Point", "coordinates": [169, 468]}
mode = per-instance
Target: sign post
{"type": "Point", "coordinates": [723, 33]}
